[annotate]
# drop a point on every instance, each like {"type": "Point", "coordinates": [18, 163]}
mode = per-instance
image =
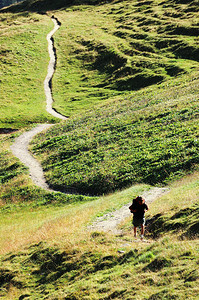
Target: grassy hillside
{"type": "Point", "coordinates": [127, 75]}
{"type": "Point", "coordinates": [23, 67]}
{"type": "Point", "coordinates": [115, 48]}
{"type": "Point", "coordinates": [42, 6]}
{"type": "Point", "coordinates": [147, 136]}
{"type": "Point", "coordinates": [16, 187]}
{"type": "Point", "coordinates": [65, 261]}
{"type": "Point", "coordinates": [150, 136]}
{"type": "Point", "coordinates": [103, 51]}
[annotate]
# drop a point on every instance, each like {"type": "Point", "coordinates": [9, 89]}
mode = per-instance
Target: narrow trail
{"type": "Point", "coordinates": [51, 70]}
{"type": "Point", "coordinates": [110, 221]}
{"type": "Point", "coordinates": [20, 150]}
{"type": "Point", "coordinates": [20, 147]}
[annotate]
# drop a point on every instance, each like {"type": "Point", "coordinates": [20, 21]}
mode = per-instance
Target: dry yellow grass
{"type": "Point", "coordinates": [64, 225]}
{"type": "Point", "coordinates": [182, 193]}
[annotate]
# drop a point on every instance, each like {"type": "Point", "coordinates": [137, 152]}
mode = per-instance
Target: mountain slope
{"type": "Point", "coordinates": [149, 137]}
{"type": "Point", "coordinates": [146, 135]}
{"type": "Point", "coordinates": [103, 53]}
{"type": "Point", "coordinates": [54, 256]}
{"type": "Point", "coordinates": [118, 47]}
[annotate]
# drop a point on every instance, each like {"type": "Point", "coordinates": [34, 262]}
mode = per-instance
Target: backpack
{"type": "Point", "coordinates": [134, 203]}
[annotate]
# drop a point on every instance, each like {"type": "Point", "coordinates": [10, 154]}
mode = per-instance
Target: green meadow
{"type": "Point", "coordinates": [47, 251]}
{"type": "Point", "coordinates": [130, 136]}
{"type": "Point", "coordinates": [23, 67]}
{"type": "Point", "coordinates": [127, 78]}
{"type": "Point", "coordinates": [119, 47]}
{"type": "Point", "coordinates": [149, 137]}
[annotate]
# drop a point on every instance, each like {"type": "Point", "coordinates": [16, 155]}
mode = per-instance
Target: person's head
{"type": "Point", "coordinates": [140, 200]}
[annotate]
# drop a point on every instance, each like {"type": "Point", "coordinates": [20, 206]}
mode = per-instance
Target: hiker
{"type": "Point", "coordinates": [138, 209]}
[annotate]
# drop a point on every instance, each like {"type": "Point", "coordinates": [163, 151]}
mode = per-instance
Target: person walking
{"type": "Point", "coordinates": [138, 208]}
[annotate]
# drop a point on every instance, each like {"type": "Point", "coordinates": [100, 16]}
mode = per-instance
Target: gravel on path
{"type": "Point", "coordinates": [51, 70]}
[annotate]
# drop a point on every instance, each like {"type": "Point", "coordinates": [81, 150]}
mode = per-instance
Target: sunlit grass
{"type": "Point", "coordinates": [116, 48]}
{"type": "Point", "coordinates": [65, 225]}
{"type": "Point", "coordinates": [150, 136]}
{"type": "Point", "coordinates": [46, 248]}
{"type": "Point", "coordinates": [24, 61]}
{"type": "Point", "coordinates": [146, 270]}
{"type": "Point", "coordinates": [184, 193]}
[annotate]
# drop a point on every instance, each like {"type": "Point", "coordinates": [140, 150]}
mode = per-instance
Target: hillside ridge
{"type": "Point", "coordinates": [46, 5]}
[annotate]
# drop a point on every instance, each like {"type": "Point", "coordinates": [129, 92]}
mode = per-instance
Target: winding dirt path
{"type": "Point", "coordinates": [20, 150]}
{"type": "Point", "coordinates": [51, 70]}
{"type": "Point", "coordinates": [109, 222]}
{"type": "Point", "coordinates": [20, 147]}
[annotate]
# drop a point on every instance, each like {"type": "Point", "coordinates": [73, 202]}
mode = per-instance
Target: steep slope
{"type": "Point", "coordinates": [23, 67]}
{"type": "Point", "coordinates": [147, 136]}
{"type": "Point", "coordinates": [118, 47]}
{"type": "Point", "coordinates": [103, 51]}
